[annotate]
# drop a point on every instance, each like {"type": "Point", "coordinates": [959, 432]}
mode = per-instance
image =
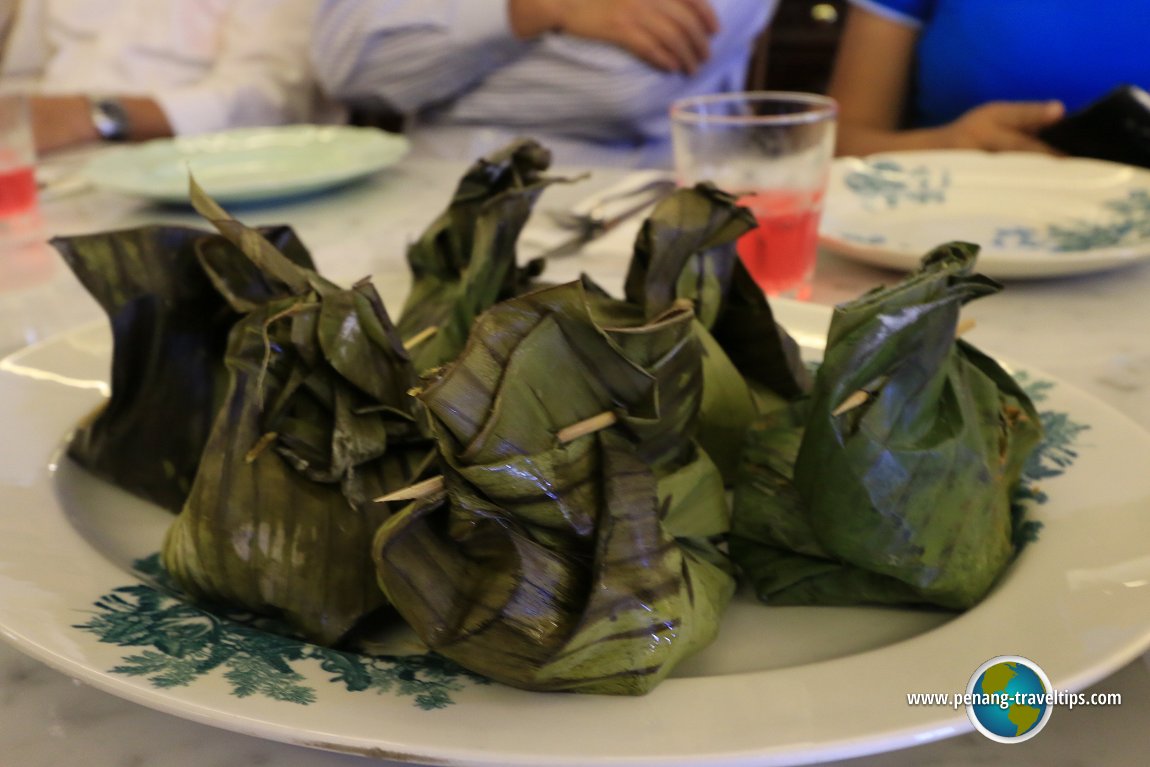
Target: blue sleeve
{"type": "Point", "coordinates": [912, 13]}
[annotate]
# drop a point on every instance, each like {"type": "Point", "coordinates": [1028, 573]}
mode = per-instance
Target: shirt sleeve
{"type": "Point", "coordinates": [910, 13]}
{"type": "Point", "coordinates": [7, 14]}
{"type": "Point", "coordinates": [261, 75]}
{"type": "Point", "coordinates": [410, 53]}
{"type": "Point", "coordinates": [600, 92]}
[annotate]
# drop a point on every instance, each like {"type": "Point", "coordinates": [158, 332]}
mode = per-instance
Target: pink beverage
{"type": "Point", "coordinates": [780, 253]}
{"type": "Point", "coordinates": [17, 191]}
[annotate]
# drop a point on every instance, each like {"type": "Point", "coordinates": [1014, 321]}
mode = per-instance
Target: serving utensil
{"type": "Point", "coordinates": [605, 213]}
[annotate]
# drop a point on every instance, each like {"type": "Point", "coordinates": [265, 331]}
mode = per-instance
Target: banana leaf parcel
{"type": "Point", "coordinates": [316, 422]}
{"type": "Point", "coordinates": [560, 559]}
{"type": "Point", "coordinates": [686, 251]}
{"type": "Point", "coordinates": [905, 498]}
{"type": "Point", "coordinates": [466, 259]}
{"type": "Point", "coordinates": [170, 326]}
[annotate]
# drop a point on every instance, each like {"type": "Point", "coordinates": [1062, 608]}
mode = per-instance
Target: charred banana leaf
{"type": "Point", "coordinates": [316, 422]}
{"type": "Point", "coordinates": [465, 261]}
{"type": "Point", "coordinates": [170, 328]}
{"type": "Point", "coordinates": [686, 251]}
{"type": "Point", "coordinates": [893, 482]}
{"type": "Point", "coordinates": [559, 558]}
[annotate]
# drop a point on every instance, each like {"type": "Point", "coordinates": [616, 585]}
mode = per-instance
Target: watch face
{"type": "Point", "coordinates": [110, 119]}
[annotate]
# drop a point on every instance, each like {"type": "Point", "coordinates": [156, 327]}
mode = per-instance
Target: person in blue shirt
{"type": "Point", "coordinates": [979, 74]}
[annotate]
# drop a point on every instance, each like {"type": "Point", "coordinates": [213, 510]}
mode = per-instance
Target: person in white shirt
{"type": "Point", "coordinates": [139, 69]}
{"type": "Point", "coordinates": [592, 79]}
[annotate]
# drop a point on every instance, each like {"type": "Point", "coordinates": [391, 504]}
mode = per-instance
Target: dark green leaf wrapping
{"type": "Point", "coordinates": [686, 250]}
{"type": "Point", "coordinates": [907, 497]}
{"type": "Point", "coordinates": [465, 261]}
{"type": "Point", "coordinates": [316, 423]}
{"type": "Point", "coordinates": [583, 565]}
{"type": "Point", "coordinates": [170, 328]}
{"type": "Point", "coordinates": [284, 526]}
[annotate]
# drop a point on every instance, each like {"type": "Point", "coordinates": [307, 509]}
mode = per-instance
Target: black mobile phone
{"type": "Point", "coordinates": [1115, 128]}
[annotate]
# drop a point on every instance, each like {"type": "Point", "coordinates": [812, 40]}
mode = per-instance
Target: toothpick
{"type": "Point", "coordinates": [420, 337]}
{"type": "Point", "coordinates": [854, 400]}
{"type": "Point", "coordinates": [260, 446]}
{"type": "Point", "coordinates": [429, 487]}
{"type": "Point", "coordinates": [414, 492]}
{"type": "Point", "coordinates": [590, 426]}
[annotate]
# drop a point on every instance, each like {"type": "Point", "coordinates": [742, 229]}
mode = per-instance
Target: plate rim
{"type": "Point", "coordinates": [380, 149]}
{"type": "Point", "coordinates": [995, 262]}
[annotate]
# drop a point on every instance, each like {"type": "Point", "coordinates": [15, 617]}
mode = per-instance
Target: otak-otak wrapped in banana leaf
{"type": "Point", "coordinates": [561, 558]}
{"type": "Point", "coordinates": [465, 261]}
{"type": "Point", "coordinates": [316, 422]}
{"type": "Point", "coordinates": [686, 251]}
{"type": "Point", "coordinates": [893, 483]}
{"type": "Point", "coordinates": [170, 327]}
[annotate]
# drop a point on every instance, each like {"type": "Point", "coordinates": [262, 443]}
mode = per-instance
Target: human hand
{"type": "Point", "coordinates": [672, 35]}
{"type": "Point", "coordinates": [1001, 126]}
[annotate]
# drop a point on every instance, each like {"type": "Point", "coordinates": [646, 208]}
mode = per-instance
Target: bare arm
{"type": "Point", "coordinates": [871, 80]}
{"type": "Point", "coordinates": [59, 122]}
{"type": "Point", "coordinates": [672, 35]}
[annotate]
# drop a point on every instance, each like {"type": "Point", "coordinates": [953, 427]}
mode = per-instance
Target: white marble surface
{"type": "Point", "coordinates": [1088, 331]}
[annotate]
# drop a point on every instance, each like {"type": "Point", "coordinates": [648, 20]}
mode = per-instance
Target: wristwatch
{"type": "Point", "coordinates": [110, 119]}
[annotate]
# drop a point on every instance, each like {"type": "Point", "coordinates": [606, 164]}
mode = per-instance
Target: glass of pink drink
{"type": "Point", "coordinates": [17, 167]}
{"type": "Point", "coordinates": [773, 151]}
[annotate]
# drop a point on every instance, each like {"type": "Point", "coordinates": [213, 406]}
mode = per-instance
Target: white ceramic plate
{"type": "Point", "coordinates": [1033, 215]}
{"type": "Point", "coordinates": [780, 686]}
{"type": "Point", "coordinates": [248, 164]}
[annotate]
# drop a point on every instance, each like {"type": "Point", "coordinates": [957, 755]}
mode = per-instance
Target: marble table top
{"type": "Point", "coordinates": [1090, 331]}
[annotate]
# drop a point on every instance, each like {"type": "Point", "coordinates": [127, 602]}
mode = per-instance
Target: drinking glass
{"type": "Point", "coordinates": [773, 151]}
{"type": "Point", "coordinates": [17, 166]}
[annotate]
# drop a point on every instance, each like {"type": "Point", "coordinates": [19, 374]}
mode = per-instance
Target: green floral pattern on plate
{"type": "Point", "coordinates": [1053, 456]}
{"type": "Point", "coordinates": [1126, 221]}
{"type": "Point", "coordinates": [889, 183]}
{"type": "Point", "coordinates": [181, 642]}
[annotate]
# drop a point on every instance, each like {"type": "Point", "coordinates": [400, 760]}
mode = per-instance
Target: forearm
{"type": "Point", "coordinates": [59, 122]}
{"type": "Point", "coordinates": [998, 126]}
{"type": "Point", "coordinates": [531, 18]}
{"type": "Point", "coordinates": [671, 35]}
{"type": "Point", "coordinates": [858, 141]}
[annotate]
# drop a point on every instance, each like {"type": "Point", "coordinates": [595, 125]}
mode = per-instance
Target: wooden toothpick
{"type": "Point", "coordinates": [858, 398]}
{"type": "Point", "coordinates": [851, 402]}
{"type": "Point", "coordinates": [414, 492]}
{"type": "Point", "coordinates": [429, 487]}
{"type": "Point", "coordinates": [589, 426]}
{"type": "Point", "coordinates": [965, 326]}
{"type": "Point", "coordinates": [260, 446]}
{"type": "Point", "coordinates": [420, 337]}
